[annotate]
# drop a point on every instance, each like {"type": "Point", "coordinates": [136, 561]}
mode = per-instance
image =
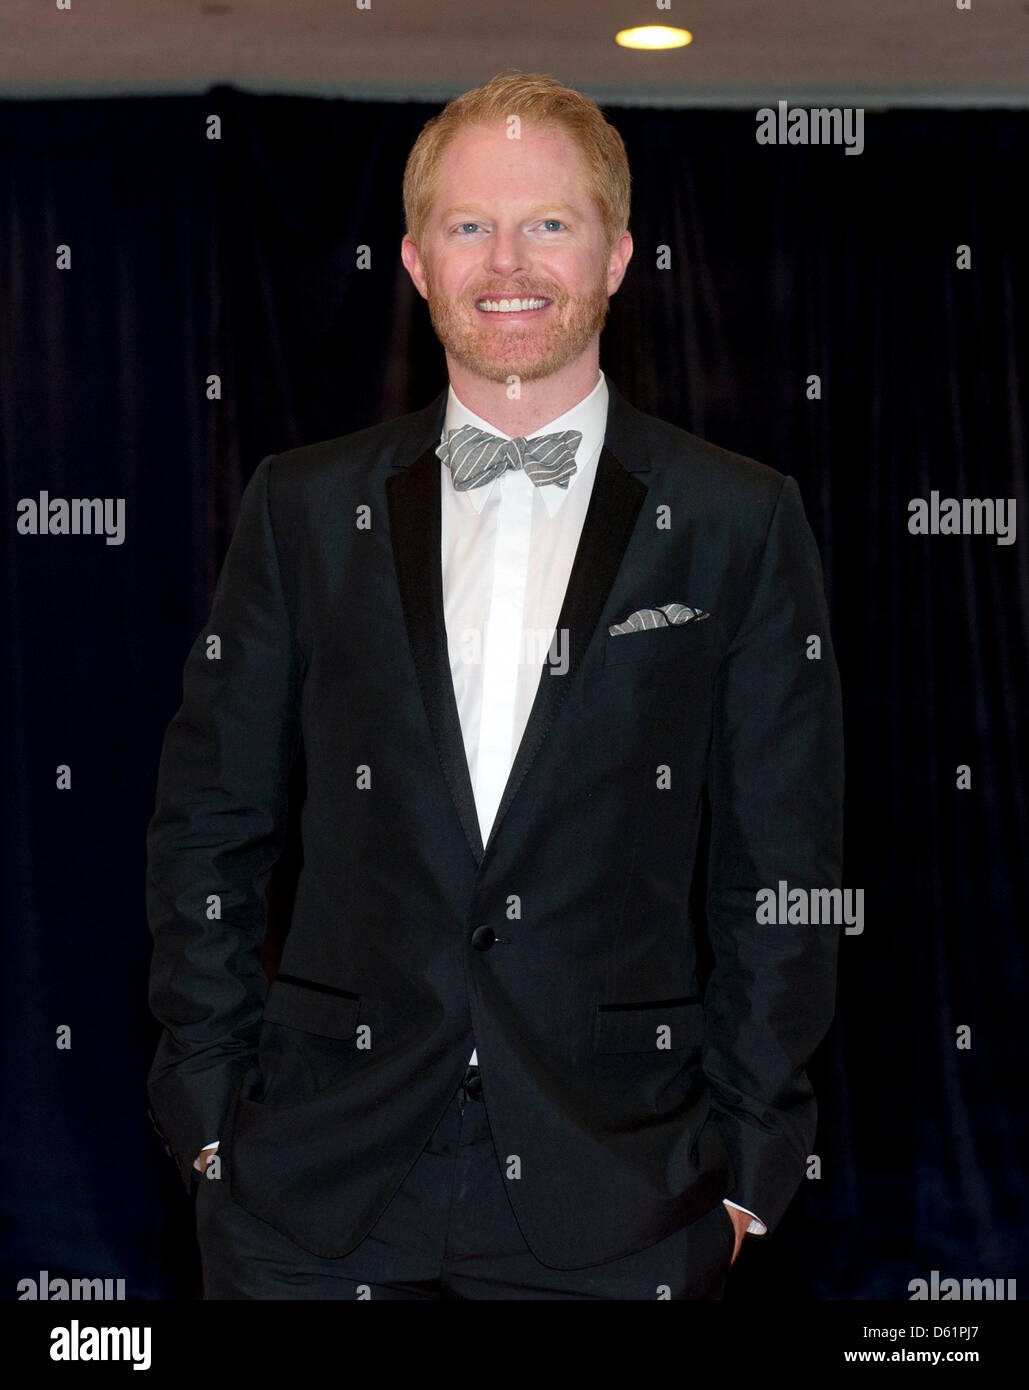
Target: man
{"type": "Point", "coordinates": [521, 639]}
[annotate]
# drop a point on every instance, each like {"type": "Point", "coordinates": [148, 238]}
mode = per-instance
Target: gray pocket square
{"type": "Point", "coordinates": [667, 615]}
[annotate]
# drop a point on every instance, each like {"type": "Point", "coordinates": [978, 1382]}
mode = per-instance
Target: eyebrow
{"type": "Point", "coordinates": [539, 207]}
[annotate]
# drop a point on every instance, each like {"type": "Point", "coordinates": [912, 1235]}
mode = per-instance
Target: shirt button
{"type": "Point", "coordinates": [483, 938]}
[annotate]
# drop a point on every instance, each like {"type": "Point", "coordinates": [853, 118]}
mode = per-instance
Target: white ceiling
{"type": "Point", "coordinates": [744, 51]}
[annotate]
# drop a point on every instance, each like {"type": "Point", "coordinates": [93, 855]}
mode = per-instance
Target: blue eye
{"type": "Point", "coordinates": [553, 219]}
{"type": "Point", "coordinates": [467, 224]}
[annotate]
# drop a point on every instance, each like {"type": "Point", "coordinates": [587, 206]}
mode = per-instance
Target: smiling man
{"type": "Point", "coordinates": [520, 291]}
{"type": "Point", "coordinates": [492, 1064]}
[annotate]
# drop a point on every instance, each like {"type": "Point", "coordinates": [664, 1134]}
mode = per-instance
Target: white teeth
{"type": "Point", "coordinates": [510, 306]}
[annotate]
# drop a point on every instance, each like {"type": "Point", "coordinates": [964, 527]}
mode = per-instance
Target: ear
{"type": "Point", "coordinates": [618, 261]}
{"type": "Point", "coordinates": [413, 264]}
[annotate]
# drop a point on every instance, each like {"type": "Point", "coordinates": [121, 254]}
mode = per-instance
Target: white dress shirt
{"type": "Point", "coordinates": [506, 550]}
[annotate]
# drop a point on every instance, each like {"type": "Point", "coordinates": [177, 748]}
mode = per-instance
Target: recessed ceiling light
{"type": "Point", "coordinates": [653, 36]}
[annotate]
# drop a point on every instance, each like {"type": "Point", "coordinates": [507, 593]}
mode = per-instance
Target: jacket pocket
{"type": "Point", "coordinates": [314, 1008]}
{"type": "Point", "coordinates": [697, 639]}
{"type": "Point", "coordinates": [657, 1026]}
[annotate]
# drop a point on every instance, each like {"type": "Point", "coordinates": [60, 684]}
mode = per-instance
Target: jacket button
{"type": "Point", "coordinates": [483, 938]}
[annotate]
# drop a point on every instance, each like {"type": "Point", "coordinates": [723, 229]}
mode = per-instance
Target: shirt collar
{"type": "Point", "coordinates": [589, 416]}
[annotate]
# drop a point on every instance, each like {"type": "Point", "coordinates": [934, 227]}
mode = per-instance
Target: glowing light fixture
{"type": "Point", "coordinates": [653, 36]}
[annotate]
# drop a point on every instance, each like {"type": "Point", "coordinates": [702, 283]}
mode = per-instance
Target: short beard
{"type": "Point", "coordinates": [529, 355]}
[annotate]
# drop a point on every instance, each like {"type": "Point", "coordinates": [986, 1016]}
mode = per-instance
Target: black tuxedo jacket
{"type": "Point", "coordinates": [626, 1094]}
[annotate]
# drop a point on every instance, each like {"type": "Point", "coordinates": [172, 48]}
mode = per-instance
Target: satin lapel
{"type": "Point", "coordinates": [610, 517]}
{"type": "Point", "coordinates": [414, 518]}
{"type": "Point", "coordinates": [413, 502]}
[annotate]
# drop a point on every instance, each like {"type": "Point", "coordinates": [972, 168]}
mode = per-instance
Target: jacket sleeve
{"type": "Point", "coordinates": [775, 785]}
{"type": "Point", "coordinates": [217, 830]}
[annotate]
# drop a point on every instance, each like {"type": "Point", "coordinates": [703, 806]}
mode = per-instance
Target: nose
{"type": "Point", "coordinates": [506, 252]}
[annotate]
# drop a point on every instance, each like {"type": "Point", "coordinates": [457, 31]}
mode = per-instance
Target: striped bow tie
{"type": "Point", "coordinates": [475, 457]}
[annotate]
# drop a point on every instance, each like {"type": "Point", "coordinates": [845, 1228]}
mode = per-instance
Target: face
{"type": "Point", "coordinates": [513, 220]}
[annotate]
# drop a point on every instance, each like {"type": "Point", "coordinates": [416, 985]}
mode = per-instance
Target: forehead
{"type": "Point", "coordinates": [482, 161]}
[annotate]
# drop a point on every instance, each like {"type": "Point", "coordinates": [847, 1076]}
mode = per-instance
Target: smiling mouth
{"type": "Point", "coordinates": [525, 305]}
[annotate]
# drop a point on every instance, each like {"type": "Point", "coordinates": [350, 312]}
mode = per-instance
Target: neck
{"type": "Point", "coordinates": [540, 401]}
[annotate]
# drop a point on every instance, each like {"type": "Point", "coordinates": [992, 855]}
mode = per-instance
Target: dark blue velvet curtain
{"type": "Point", "coordinates": [235, 258]}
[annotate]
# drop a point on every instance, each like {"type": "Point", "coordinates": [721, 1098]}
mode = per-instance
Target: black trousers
{"type": "Point", "coordinates": [448, 1232]}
